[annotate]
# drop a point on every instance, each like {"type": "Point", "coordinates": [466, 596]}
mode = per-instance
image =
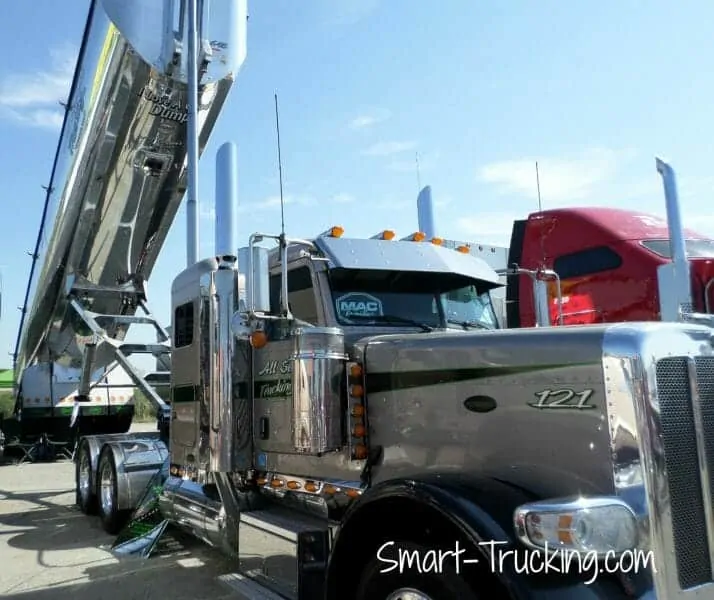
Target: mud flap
{"type": "Point", "coordinates": [145, 530]}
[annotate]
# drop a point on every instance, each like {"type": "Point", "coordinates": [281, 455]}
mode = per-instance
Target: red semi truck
{"type": "Point", "coordinates": [607, 260]}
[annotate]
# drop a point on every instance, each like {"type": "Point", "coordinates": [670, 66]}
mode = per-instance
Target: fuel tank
{"type": "Point", "coordinates": [120, 166]}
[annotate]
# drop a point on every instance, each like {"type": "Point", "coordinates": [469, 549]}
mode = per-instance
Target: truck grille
{"type": "Point", "coordinates": [684, 472]}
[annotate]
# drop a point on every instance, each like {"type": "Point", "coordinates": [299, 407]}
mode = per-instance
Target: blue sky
{"type": "Point", "coordinates": [479, 89]}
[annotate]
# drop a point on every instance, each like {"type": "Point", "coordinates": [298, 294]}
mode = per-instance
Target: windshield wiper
{"type": "Point", "coordinates": [393, 319]}
{"type": "Point", "coordinates": [468, 324]}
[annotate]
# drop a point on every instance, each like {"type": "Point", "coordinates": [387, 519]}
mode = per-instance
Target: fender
{"type": "Point", "coordinates": [137, 460]}
{"type": "Point", "coordinates": [477, 509]}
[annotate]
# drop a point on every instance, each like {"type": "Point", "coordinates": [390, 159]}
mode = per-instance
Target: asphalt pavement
{"type": "Point", "coordinates": [50, 550]}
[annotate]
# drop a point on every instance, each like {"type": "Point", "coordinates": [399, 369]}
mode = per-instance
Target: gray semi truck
{"type": "Point", "coordinates": [335, 425]}
{"type": "Point", "coordinates": [345, 417]}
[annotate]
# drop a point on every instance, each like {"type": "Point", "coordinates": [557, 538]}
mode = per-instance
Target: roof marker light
{"type": "Point", "coordinates": [336, 231]}
{"type": "Point", "coordinates": [418, 236]}
{"type": "Point", "coordinates": [387, 234]}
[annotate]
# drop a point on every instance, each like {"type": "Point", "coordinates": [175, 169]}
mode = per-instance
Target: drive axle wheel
{"type": "Point", "coordinates": [86, 499]}
{"type": "Point", "coordinates": [383, 581]}
{"type": "Point", "coordinates": [108, 493]}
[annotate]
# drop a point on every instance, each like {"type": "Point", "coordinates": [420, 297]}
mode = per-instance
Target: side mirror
{"type": "Point", "coordinates": [254, 266]}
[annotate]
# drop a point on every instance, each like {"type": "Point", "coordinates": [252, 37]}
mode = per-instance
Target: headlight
{"type": "Point", "coordinates": [587, 525]}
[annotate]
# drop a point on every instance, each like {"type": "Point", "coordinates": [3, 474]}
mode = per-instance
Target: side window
{"type": "Point", "coordinates": [301, 294]}
{"type": "Point", "coordinates": [587, 262]}
{"type": "Point", "coordinates": [183, 325]}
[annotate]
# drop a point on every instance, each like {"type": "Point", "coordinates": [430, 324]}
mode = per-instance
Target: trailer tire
{"type": "Point", "coordinates": [112, 518]}
{"type": "Point", "coordinates": [410, 584]}
{"type": "Point", "coordinates": [85, 489]}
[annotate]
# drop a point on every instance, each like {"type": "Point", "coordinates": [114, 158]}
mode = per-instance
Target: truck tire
{"type": "Point", "coordinates": [85, 489]}
{"type": "Point", "coordinates": [412, 585]}
{"type": "Point", "coordinates": [108, 493]}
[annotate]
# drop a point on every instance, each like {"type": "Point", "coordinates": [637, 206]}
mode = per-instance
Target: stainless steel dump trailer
{"type": "Point", "coordinates": [118, 178]}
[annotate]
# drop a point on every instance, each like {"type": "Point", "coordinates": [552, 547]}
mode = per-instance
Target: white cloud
{"type": "Point", "coordinates": [369, 119]}
{"type": "Point", "coordinates": [562, 180]}
{"type": "Point", "coordinates": [389, 148]}
{"type": "Point", "coordinates": [488, 228]}
{"type": "Point", "coordinates": [33, 98]}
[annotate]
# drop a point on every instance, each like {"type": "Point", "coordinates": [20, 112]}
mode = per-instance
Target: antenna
{"type": "Point", "coordinates": [280, 169]}
{"type": "Point", "coordinates": [540, 209]}
{"type": "Point", "coordinates": [282, 240]}
{"type": "Point", "coordinates": [417, 173]}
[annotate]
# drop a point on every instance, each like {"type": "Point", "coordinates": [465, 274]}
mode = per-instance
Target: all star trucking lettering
{"type": "Point", "coordinates": [409, 416]}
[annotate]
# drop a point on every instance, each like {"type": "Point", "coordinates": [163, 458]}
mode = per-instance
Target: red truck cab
{"type": "Point", "coordinates": [607, 261]}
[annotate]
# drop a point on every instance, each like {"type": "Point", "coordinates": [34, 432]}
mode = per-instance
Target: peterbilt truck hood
{"type": "Point", "coordinates": [503, 403]}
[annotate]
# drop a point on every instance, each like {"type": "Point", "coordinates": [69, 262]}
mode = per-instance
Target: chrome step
{"type": "Point", "coordinates": [284, 550]}
{"type": "Point", "coordinates": [248, 588]}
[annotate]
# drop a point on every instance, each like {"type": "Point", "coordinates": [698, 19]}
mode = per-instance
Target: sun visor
{"type": "Point", "coordinates": [406, 257]}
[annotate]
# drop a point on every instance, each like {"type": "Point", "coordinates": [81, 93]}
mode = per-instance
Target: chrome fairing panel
{"type": "Point", "coordinates": [662, 445]}
{"type": "Point", "coordinates": [119, 172]}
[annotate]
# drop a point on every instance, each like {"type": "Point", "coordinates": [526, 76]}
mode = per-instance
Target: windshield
{"type": "Point", "coordinates": [466, 306]}
{"type": "Point", "coordinates": [695, 248]}
{"type": "Point", "coordinates": [397, 300]}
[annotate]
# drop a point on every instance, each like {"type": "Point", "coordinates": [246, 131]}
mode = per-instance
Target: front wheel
{"type": "Point", "coordinates": [112, 518]}
{"type": "Point", "coordinates": [382, 580]}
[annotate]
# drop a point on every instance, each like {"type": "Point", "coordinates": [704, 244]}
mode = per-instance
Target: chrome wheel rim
{"type": "Point", "coordinates": [408, 594]}
{"type": "Point", "coordinates": [84, 477]}
{"type": "Point", "coordinates": [106, 485]}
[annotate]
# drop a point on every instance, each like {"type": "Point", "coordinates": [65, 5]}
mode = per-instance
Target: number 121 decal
{"type": "Point", "coordinates": [563, 399]}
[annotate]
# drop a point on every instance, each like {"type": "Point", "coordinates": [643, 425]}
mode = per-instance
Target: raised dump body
{"type": "Point", "coordinates": [117, 182]}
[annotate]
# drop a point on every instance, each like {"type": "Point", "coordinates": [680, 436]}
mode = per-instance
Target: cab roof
{"type": "Point", "coordinates": [619, 223]}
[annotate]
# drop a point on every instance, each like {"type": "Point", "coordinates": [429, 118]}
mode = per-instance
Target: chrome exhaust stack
{"type": "Point", "coordinates": [674, 278]}
{"type": "Point", "coordinates": [229, 437]}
